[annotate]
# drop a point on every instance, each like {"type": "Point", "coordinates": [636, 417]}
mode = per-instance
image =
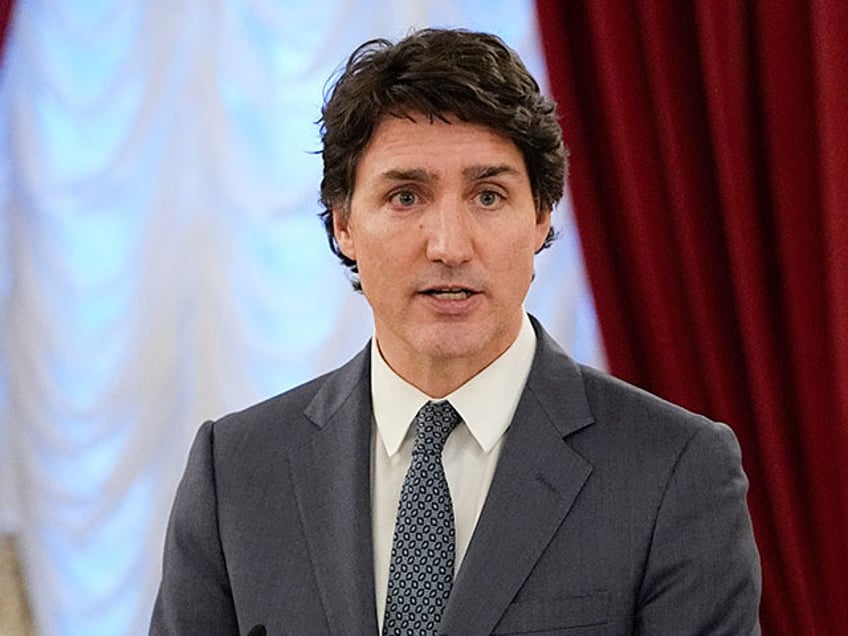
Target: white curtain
{"type": "Point", "coordinates": [161, 261]}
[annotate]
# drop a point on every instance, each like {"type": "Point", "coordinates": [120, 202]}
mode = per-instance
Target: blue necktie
{"type": "Point", "coordinates": [421, 569]}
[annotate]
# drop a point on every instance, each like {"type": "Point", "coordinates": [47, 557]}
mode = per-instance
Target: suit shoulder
{"type": "Point", "coordinates": [287, 415]}
{"type": "Point", "coordinates": [609, 396]}
{"type": "Point", "coordinates": [637, 415]}
{"type": "Point", "coordinates": [278, 408]}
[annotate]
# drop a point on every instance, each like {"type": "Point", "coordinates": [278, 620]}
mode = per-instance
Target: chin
{"type": "Point", "coordinates": [451, 342]}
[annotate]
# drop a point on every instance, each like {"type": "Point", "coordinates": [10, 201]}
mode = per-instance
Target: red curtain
{"type": "Point", "coordinates": [709, 151]}
{"type": "Point", "coordinates": [5, 15]}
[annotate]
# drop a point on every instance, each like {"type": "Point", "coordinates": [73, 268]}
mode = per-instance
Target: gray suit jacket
{"type": "Point", "coordinates": [610, 512]}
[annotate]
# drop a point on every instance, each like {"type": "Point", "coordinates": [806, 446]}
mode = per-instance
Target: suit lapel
{"type": "Point", "coordinates": [536, 481]}
{"type": "Point", "coordinates": [331, 475]}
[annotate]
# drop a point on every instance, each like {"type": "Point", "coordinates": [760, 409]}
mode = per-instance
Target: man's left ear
{"type": "Point", "coordinates": [543, 227]}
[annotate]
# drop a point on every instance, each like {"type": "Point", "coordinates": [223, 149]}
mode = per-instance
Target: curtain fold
{"type": "Point", "coordinates": [5, 14]}
{"type": "Point", "coordinates": [710, 184]}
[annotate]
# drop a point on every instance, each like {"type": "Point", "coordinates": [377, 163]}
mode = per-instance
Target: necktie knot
{"type": "Point", "coordinates": [434, 422]}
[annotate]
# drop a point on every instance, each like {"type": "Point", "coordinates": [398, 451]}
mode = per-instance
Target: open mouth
{"type": "Point", "coordinates": [450, 293]}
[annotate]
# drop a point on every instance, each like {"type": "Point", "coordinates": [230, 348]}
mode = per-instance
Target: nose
{"type": "Point", "coordinates": [449, 238]}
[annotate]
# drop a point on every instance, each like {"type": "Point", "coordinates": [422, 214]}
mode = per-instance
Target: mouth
{"type": "Point", "coordinates": [449, 293]}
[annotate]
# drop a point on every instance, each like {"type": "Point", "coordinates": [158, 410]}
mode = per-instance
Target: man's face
{"type": "Point", "coordinates": [443, 227]}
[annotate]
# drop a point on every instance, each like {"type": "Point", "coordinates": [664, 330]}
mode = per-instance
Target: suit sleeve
{"type": "Point", "coordinates": [194, 596]}
{"type": "Point", "coordinates": [703, 571]}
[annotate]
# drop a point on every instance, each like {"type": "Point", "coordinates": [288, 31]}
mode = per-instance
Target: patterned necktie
{"type": "Point", "coordinates": [421, 569]}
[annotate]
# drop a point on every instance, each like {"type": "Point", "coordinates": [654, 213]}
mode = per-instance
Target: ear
{"type": "Point", "coordinates": [341, 230]}
{"type": "Point", "coordinates": [543, 226]}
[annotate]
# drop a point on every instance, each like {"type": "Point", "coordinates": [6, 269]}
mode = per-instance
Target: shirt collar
{"type": "Point", "coordinates": [486, 402]}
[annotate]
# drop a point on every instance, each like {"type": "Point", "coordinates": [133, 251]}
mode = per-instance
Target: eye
{"type": "Point", "coordinates": [489, 198]}
{"type": "Point", "coordinates": [403, 198]}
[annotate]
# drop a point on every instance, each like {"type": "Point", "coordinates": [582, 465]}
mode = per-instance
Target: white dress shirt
{"type": "Point", "coordinates": [486, 404]}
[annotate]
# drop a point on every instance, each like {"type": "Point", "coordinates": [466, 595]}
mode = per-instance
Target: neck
{"type": "Point", "coordinates": [440, 380]}
{"type": "Point", "coordinates": [438, 376]}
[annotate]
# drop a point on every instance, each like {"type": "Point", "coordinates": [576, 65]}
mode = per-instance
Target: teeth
{"type": "Point", "coordinates": [451, 294]}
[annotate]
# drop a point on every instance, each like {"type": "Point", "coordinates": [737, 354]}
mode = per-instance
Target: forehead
{"type": "Point", "coordinates": [437, 148]}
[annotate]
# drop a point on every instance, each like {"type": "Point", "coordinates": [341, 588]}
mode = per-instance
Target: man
{"type": "Point", "coordinates": [562, 501]}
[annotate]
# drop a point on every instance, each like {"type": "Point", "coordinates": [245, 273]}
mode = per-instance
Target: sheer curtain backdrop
{"type": "Point", "coordinates": [161, 261]}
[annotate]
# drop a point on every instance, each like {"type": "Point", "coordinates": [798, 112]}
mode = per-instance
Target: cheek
{"type": "Point", "coordinates": [378, 261]}
{"type": "Point", "coordinates": [382, 280]}
{"type": "Point", "coordinates": [361, 241]}
{"type": "Point", "coordinates": [512, 266]}
{"type": "Point", "coordinates": [515, 261]}
{"type": "Point", "coordinates": [368, 249]}
{"type": "Point", "coordinates": [385, 246]}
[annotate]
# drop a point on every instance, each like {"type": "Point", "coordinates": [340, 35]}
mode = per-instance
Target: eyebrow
{"type": "Point", "coordinates": [475, 173]}
{"type": "Point", "coordinates": [472, 173]}
{"type": "Point", "coordinates": [414, 174]}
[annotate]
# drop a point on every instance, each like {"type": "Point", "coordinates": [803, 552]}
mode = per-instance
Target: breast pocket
{"type": "Point", "coordinates": [526, 617]}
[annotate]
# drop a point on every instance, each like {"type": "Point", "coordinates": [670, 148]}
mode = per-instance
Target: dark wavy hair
{"type": "Point", "coordinates": [474, 77]}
